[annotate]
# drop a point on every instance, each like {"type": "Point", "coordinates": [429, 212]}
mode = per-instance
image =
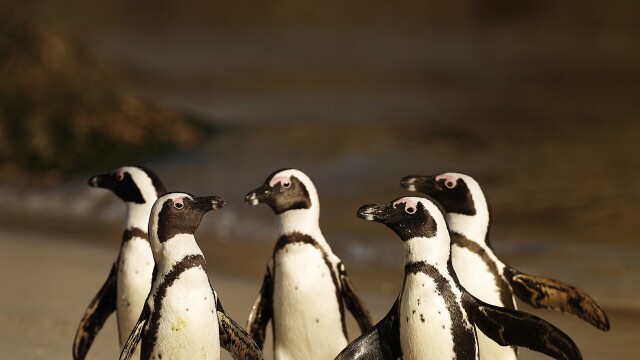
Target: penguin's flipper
{"type": "Point", "coordinates": [99, 309]}
{"type": "Point", "coordinates": [353, 301]}
{"type": "Point", "coordinates": [544, 293]}
{"type": "Point", "coordinates": [262, 310]}
{"type": "Point", "coordinates": [381, 342]}
{"type": "Point", "coordinates": [136, 334]}
{"type": "Point", "coordinates": [235, 339]}
{"type": "Point", "coordinates": [516, 328]}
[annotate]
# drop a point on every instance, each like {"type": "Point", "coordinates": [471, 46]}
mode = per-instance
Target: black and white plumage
{"type": "Point", "coordinates": [434, 317]}
{"type": "Point", "coordinates": [183, 317]}
{"type": "Point", "coordinates": [481, 272]}
{"type": "Point", "coordinates": [306, 287]}
{"type": "Point", "coordinates": [129, 280]}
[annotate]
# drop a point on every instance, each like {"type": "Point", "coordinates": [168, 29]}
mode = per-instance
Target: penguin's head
{"type": "Point", "coordinates": [454, 191]}
{"type": "Point", "coordinates": [409, 217]}
{"type": "Point", "coordinates": [284, 190]}
{"type": "Point", "coordinates": [180, 213]}
{"type": "Point", "coordinates": [132, 184]}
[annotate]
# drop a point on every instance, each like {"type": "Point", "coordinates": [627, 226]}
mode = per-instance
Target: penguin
{"type": "Point", "coordinates": [183, 317]}
{"type": "Point", "coordinates": [434, 317]}
{"type": "Point", "coordinates": [305, 287]}
{"type": "Point", "coordinates": [482, 273]}
{"type": "Point", "coordinates": [129, 280]}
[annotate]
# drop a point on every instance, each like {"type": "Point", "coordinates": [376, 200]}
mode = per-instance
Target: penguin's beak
{"type": "Point", "coordinates": [374, 212]}
{"type": "Point", "coordinates": [104, 181]}
{"type": "Point", "coordinates": [207, 203]}
{"type": "Point", "coordinates": [423, 184]}
{"type": "Point", "coordinates": [258, 195]}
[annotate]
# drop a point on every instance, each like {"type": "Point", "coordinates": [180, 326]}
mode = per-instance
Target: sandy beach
{"type": "Point", "coordinates": [48, 282]}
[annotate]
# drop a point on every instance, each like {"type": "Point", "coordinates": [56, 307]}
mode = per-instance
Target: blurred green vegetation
{"type": "Point", "coordinates": [62, 110]}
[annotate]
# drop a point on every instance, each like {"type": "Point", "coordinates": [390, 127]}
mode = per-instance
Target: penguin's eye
{"type": "Point", "coordinates": [410, 210]}
{"type": "Point", "coordinates": [450, 184]}
{"type": "Point", "coordinates": [178, 205]}
{"type": "Point", "coordinates": [119, 176]}
{"type": "Point", "coordinates": [286, 184]}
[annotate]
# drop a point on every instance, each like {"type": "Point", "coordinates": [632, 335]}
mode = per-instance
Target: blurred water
{"type": "Point", "coordinates": [315, 75]}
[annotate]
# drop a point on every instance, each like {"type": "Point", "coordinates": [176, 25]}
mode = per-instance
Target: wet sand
{"type": "Point", "coordinates": [49, 281]}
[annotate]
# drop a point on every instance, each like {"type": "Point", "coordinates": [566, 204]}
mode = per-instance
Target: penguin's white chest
{"type": "Point", "coordinates": [188, 326]}
{"type": "Point", "coordinates": [307, 319]}
{"type": "Point", "coordinates": [425, 321]}
{"type": "Point", "coordinates": [475, 276]}
{"type": "Point", "coordinates": [135, 270]}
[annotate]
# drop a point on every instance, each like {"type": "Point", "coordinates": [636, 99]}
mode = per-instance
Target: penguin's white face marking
{"type": "Point", "coordinates": [410, 204]}
{"type": "Point", "coordinates": [134, 185]}
{"type": "Point", "coordinates": [138, 187]}
{"type": "Point", "coordinates": [284, 191]}
{"type": "Point", "coordinates": [472, 187]}
{"type": "Point", "coordinates": [430, 246]}
{"type": "Point", "coordinates": [409, 217]}
{"type": "Point", "coordinates": [450, 180]}
{"type": "Point", "coordinates": [420, 225]}
{"type": "Point", "coordinates": [284, 181]}
{"type": "Point", "coordinates": [146, 182]}
{"type": "Point", "coordinates": [180, 213]}
{"type": "Point", "coordinates": [178, 202]}
{"type": "Point", "coordinates": [466, 206]}
{"type": "Point", "coordinates": [455, 192]}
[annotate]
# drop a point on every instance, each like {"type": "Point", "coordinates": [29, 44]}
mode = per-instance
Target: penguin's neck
{"type": "Point", "coordinates": [473, 227]}
{"type": "Point", "coordinates": [434, 251]}
{"type": "Point", "coordinates": [303, 221]}
{"type": "Point", "coordinates": [137, 216]}
{"type": "Point", "coordinates": [171, 252]}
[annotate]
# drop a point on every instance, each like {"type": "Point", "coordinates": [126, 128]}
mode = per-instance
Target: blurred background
{"type": "Point", "coordinates": [538, 100]}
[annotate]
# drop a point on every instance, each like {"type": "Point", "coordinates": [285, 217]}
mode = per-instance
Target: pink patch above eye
{"type": "Point", "coordinates": [450, 180]}
{"type": "Point", "coordinates": [445, 177]}
{"type": "Point", "coordinates": [408, 203]}
{"type": "Point", "coordinates": [119, 173]}
{"type": "Point", "coordinates": [279, 179]}
{"type": "Point", "coordinates": [180, 200]}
